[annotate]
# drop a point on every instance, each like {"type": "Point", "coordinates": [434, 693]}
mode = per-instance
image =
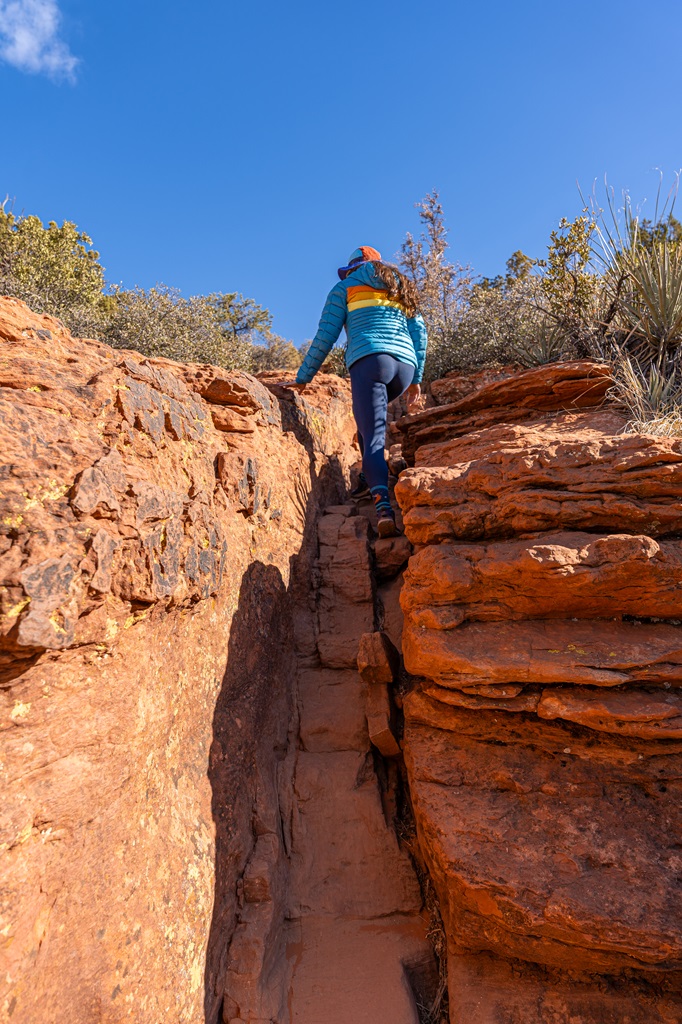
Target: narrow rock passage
{"type": "Point", "coordinates": [355, 912]}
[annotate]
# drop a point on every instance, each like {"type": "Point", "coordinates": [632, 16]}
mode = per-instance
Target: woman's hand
{"type": "Point", "coordinates": [414, 395]}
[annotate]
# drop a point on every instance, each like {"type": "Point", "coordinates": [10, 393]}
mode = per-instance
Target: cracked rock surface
{"type": "Point", "coordinates": [155, 518]}
{"type": "Point", "coordinates": [542, 628]}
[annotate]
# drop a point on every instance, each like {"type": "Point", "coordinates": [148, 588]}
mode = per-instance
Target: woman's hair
{"type": "Point", "coordinates": [398, 286]}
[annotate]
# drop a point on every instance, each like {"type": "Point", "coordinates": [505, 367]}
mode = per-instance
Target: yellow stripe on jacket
{"type": "Point", "coordinates": [361, 297]}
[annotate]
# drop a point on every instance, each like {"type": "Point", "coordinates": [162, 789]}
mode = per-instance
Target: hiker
{"type": "Point", "coordinates": [385, 351]}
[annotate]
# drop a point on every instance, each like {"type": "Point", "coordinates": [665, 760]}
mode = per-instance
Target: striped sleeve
{"type": "Point", "coordinates": [417, 329]}
{"type": "Point", "coordinates": [331, 323]}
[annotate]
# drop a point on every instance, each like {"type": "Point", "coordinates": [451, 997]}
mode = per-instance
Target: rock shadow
{"type": "Point", "coordinates": [254, 710]}
{"type": "Point", "coordinates": [250, 725]}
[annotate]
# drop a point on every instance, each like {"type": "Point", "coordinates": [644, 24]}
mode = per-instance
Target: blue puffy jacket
{"type": "Point", "coordinates": [374, 323]}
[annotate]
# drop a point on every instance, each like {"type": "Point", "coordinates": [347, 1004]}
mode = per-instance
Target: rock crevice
{"type": "Point", "coordinates": [216, 684]}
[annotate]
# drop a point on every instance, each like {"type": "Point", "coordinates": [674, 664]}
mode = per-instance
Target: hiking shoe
{"type": "Point", "coordinates": [386, 524]}
{"type": "Point", "coordinates": [361, 489]}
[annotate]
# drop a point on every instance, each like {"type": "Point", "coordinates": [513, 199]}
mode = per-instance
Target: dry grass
{"type": "Point", "coordinates": [662, 426]}
{"type": "Point", "coordinates": [652, 397]}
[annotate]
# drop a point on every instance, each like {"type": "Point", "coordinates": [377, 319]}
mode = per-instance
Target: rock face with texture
{"type": "Point", "coordinates": [607, 484]}
{"type": "Point", "coordinates": [543, 736]}
{"type": "Point", "coordinates": [158, 531]}
{"type": "Point", "coordinates": [507, 399]}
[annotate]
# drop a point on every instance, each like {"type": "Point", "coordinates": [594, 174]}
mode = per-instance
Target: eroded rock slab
{"type": "Point", "coordinates": [581, 651]}
{"type": "Point", "coordinates": [563, 575]}
{"type": "Point", "coordinates": [564, 386]}
{"type": "Point", "coordinates": [524, 864]}
{"type": "Point", "coordinates": [629, 483]}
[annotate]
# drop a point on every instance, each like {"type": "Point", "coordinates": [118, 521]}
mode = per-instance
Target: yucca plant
{"type": "Point", "coordinates": [546, 342]}
{"type": "Point", "coordinates": [651, 301]}
{"type": "Point", "coordinates": [642, 325]}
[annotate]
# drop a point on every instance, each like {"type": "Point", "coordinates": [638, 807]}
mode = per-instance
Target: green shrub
{"type": "Point", "coordinates": [274, 353]}
{"type": "Point", "coordinates": [653, 400]}
{"type": "Point", "coordinates": [224, 329]}
{"type": "Point", "coordinates": [539, 311]}
{"type": "Point", "coordinates": [444, 287]}
{"type": "Point", "coordinates": [54, 270]}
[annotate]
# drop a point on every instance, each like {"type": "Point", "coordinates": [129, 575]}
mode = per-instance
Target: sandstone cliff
{"type": "Point", "coordinates": [210, 746]}
{"type": "Point", "coordinates": [156, 521]}
{"type": "Point", "coordinates": [543, 735]}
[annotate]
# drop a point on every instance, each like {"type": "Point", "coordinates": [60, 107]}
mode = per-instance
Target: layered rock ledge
{"type": "Point", "coordinates": [543, 732]}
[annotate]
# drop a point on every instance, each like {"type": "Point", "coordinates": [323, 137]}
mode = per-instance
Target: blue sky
{"type": "Point", "coordinates": [250, 147]}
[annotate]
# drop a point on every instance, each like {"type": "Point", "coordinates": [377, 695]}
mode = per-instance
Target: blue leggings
{"type": "Point", "coordinates": [375, 381]}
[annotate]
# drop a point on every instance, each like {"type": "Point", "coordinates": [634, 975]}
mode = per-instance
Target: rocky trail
{"type": "Point", "coordinates": [259, 766]}
{"type": "Point", "coordinates": [356, 940]}
{"type": "Point", "coordinates": [353, 944]}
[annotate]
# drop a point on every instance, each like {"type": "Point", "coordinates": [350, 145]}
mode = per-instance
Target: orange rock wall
{"type": "Point", "coordinates": [543, 732]}
{"type": "Point", "coordinates": [157, 520]}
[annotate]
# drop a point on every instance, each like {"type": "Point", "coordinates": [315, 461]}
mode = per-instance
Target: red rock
{"type": "Point", "coordinates": [630, 483]}
{"type": "Point", "coordinates": [378, 664]}
{"type": "Point", "coordinates": [316, 414]}
{"type": "Point", "coordinates": [341, 510]}
{"type": "Point", "coordinates": [149, 564]}
{"type": "Point", "coordinates": [584, 651]}
{"type": "Point", "coordinates": [396, 462]}
{"type": "Point", "coordinates": [542, 736]}
{"type": "Point", "coordinates": [555, 386]}
{"type": "Point", "coordinates": [378, 660]}
{"type": "Point", "coordinates": [486, 988]}
{"type": "Point", "coordinates": [231, 388]}
{"type": "Point", "coordinates": [332, 706]}
{"type": "Point", "coordinates": [455, 386]}
{"type": "Point", "coordinates": [383, 882]}
{"type": "Point", "coordinates": [562, 575]}
{"type": "Point", "coordinates": [390, 612]}
{"type": "Point", "coordinates": [543, 845]}
{"type": "Point", "coordinates": [379, 723]}
{"type": "Point", "coordinates": [593, 425]}
{"type": "Point", "coordinates": [390, 555]}
{"type": "Point", "coordinates": [490, 697]}
{"type": "Point", "coordinates": [649, 715]}
{"type": "Point", "coordinates": [353, 970]}
{"type": "Point", "coordinates": [345, 597]}
{"type": "Point", "coordinates": [229, 420]}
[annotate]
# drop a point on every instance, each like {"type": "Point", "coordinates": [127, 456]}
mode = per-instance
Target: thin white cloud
{"type": "Point", "coordinates": [29, 38]}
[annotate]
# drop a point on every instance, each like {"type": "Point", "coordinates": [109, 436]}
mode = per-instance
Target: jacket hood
{"type": "Point", "coordinates": [364, 274]}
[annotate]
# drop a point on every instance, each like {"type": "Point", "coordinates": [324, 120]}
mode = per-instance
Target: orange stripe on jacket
{"type": "Point", "coordinates": [361, 297]}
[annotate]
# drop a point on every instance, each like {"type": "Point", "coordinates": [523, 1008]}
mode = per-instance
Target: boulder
{"type": "Point", "coordinates": [544, 845]}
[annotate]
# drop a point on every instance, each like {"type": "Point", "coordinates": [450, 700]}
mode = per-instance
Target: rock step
{"type": "Point", "coordinates": [355, 912]}
{"type": "Point", "coordinates": [352, 971]}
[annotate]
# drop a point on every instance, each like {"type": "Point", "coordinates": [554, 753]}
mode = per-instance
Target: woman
{"type": "Point", "coordinates": [385, 355]}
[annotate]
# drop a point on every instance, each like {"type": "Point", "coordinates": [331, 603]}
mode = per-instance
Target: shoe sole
{"type": "Point", "coordinates": [387, 528]}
